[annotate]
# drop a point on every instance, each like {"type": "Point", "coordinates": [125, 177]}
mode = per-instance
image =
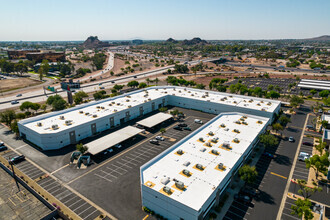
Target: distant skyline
{"type": "Point", "coordinates": [75, 20]}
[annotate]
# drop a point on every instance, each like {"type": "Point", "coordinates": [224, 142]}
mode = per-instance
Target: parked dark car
{"type": "Point", "coordinates": [308, 143]}
{"type": "Point", "coordinates": [17, 159]}
{"type": "Point", "coordinates": [3, 148]}
{"type": "Point", "coordinates": [249, 191]}
{"type": "Point", "coordinates": [243, 198]}
{"type": "Point", "coordinates": [182, 125]}
{"type": "Point", "coordinates": [178, 128]}
{"type": "Point", "coordinates": [187, 128]}
{"type": "Point", "coordinates": [267, 154]}
{"type": "Point", "coordinates": [154, 141]}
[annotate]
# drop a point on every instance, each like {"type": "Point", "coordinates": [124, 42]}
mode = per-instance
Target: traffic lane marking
{"type": "Point", "coordinates": [145, 217]}
{"type": "Point", "coordinates": [278, 175]}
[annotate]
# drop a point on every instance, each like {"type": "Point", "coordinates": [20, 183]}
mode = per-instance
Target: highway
{"type": "Point", "coordinates": [40, 96]}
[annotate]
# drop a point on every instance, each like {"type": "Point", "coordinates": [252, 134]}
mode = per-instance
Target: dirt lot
{"type": "Point", "coordinates": [11, 84]}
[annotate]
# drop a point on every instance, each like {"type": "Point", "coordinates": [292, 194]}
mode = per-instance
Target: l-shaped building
{"type": "Point", "coordinates": [189, 178]}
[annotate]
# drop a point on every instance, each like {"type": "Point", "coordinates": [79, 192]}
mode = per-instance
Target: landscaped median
{"type": "Point", "coordinates": [68, 213]}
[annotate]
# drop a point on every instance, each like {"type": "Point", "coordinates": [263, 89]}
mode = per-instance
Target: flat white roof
{"type": "Point", "coordinates": [314, 84]}
{"type": "Point", "coordinates": [201, 184]}
{"type": "Point", "coordinates": [92, 111]}
{"type": "Point", "coordinates": [326, 117]}
{"type": "Point", "coordinates": [112, 139]}
{"type": "Point", "coordinates": [154, 120]}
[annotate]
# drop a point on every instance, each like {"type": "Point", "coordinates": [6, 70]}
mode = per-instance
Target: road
{"type": "Point", "coordinates": [40, 96]}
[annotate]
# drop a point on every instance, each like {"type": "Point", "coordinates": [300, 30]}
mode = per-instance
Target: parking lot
{"type": "Point", "coordinates": [115, 184]}
{"type": "Point", "coordinates": [263, 83]}
{"type": "Point", "coordinates": [286, 215]}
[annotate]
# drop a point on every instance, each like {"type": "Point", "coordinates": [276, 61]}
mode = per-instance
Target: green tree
{"type": "Point", "coordinates": [98, 60]}
{"type": "Point", "coordinates": [302, 208]}
{"type": "Point", "coordinates": [118, 87]}
{"type": "Point", "coordinates": [14, 127]}
{"type": "Point", "coordinates": [162, 131]}
{"type": "Point", "coordinates": [321, 146]}
{"type": "Point", "coordinates": [163, 109]}
{"type": "Point", "coordinates": [270, 87]}
{"type": "Point", "coordinates": [21, 68]}
{"type": "Point", "coordinates": [274, 95]}
{"type": "Point", "coordinates": [26, 106]}
{"type": "Point", "coordinates": [81, 148]}
{"type": "Point", "coordinates": [35, 107]}
{"type": "Point", "coordinates": [7, 116]}
{"type": "Point", "coordinates": [277, 127]}
{"type": "Point", "coordinates": [248, 174]}
{"type": "Point", "coordinates": [318, 163]}
{"type": "Point", "coordinates": [142, 85]}
{"type": "Point", "coordinates": [57, 102]}
{"type": "Point", "coordinates": [306, 191]}
{"type": "Point", "coordinates": [200, 86]}
{"type": "Point", "coordinates": [43, 69]}
{"type": "Point", "coordinates": [268, 140]}
{"type": "Point", "coordinates": [324, 93]}
{"type": "Point", "coordinates": [326, 101]}
{"type": "Point", "coordinates": [313, 92]}
{"type": "Point", "coordinates": [295, 101]}
{"type": "Point", "coordinates": [43, 107]}
{"type": "Point", "coordinates": [78, 97]}
{"type": "Point", "coordinates": [20, 116]}
{"type": "Point", "coordinates": [133, 84]}
{"type": "Point", "coordinates": [112, 73]}
{"type": "Point", "coordinates": [284, 120]}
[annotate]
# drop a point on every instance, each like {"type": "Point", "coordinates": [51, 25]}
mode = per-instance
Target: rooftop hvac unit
{"type": "Point", "coordinates": [203, 96]}
{"type": "Point", "coordinates": [81, 112]}
{"type": "Point", "coordinates": [202, 149]}
{"type": "Point", "coordinates": [220, 166]}
{"type": "Point", "coordinates": [127, 100]}
{"type": "Point", "coordinates": [192, 94]}
{"type": "Point", "coordinates": [186, 172]}
{"type": "Point", "coordinates": [234, 102]}
{"type": "Point", "coordinates": [156, 89]}
{"type": "Point", "coordinates": [259, 122]}
{"type": "Point", "coordinates": [189, 92]}
{"type": "Point", "coordinates": [261, 101]}
{"type": "Point", "coordinates": [62, 117]}
{"type": "Point", "coordinates": [179, 91]}
{"type": "Point", "coordinates": [187, 163]}
{"type": "Point", "coordinates": [251, 100]}
{"type": "Point", "coordinates": [226, 129]}
{"type": "Point", "coordinates": [199, 166]}
{"type": "Point", "coordinates": [110, 104]}
{"type": "Point", "coordinates": [115, 110]}
{"type": "Point", "coordinates": [86, 113]}
{"type": "Point", "coordinates": [222, 125]}
{"type": "Point", "coordinates": [230, 96]}
{"type": "Point", "coordinates": [173, 94]}
{"type": "Point", "coordinates": [215, 152]}
{"type": "Point", "coordinates": [94, 116]}
{"type": "Point", "coordinates": [269, 103]}
{"type": "Point", "coordinates": [222, 99]}
{"type": "Point", "coordinates": [225, 98]}
{"type": "Point", "coordinates": [165, 180]}
{"type": "Point", "coordinates": [236, 140]}
{"type": "Point", "coordinates": [201, 139]}
{"type": "Point", "coordinates": [236, 130]}
{"type": "Point", "coordinates": [174, 89]}
{"type": "Point", "coordinates": [263, 109]}
{"type": "Point", "coordinates": [245, 117]}
{"type": "Point", "coordinates": [129, 106]}
{"type": "Point", "coordinates": [208, 144]}
{"type": "Point", "coordinates": [211, 133]}
{"type": "Point", "coordinates": [68, 122]}
{"type": "Point", "coordinates": [118, 103]}
{"type": "Point", "coordinates": [226, 145]}
{"type": "Point", "coordinates": [180, 152]}
{"type": "Point", "coordinates": [39, 124]}
{"type": "Point", "coordinates": [215, 140]}
{"type": "Point", "coordinates": [206, 93]}
{"type": "Point", "coordinates": [179, 185]}
{"type": "Point", "coordinates": [55, 127]}
{"type": "Point", "coordinates": [258, 104]}
{"type": "Point", "coordinates": [185, 89]}
{"type": "Point", "coordinates": [244, 123]}
{"type": "Point", "coordinates": [167, 189]}
{"type": "Point", "coordinates": [128, 96]}
{"type": "Point", "coordinates": [98, 106]}
{"type": "Point", "coordinates": [145, 101]}
{"type": "Point", "coordinates": [165, 92]}
{"type": "Point", "coordinates": [238, 122]}
{"type": "Point", "coordinates": [102, 107]}
{"type": "Point", "coordinates": [113, 102]}
{"type": "Point", "coordinates": [149, 99]}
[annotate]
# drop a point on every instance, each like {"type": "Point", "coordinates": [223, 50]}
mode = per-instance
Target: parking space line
{"type": "Point", "coordinates": [240, 209]}
{"type": "Point", "coordinates": [85, 210]}
{"type": "Point", "coordinates": [290, 216]}
{"type": "Point", "coordinates": [52, 188]}
{"type": "Point", "coordinates": [299, 175]}
{"type": "Point", "coordinates": [118, 167]}
{"type": "Point", "coordinates": [60, 198]}
{"type": "Point", "coordinates": [21, 166]}
{"type": "Point", "coordinates": [51, 183]}
{"type": "Point", "coordinates": [138, 155]}
{"type": "Point", "coordinates": [41, 184]}
{"type": "Point", "coordinates": [24, 145]}
{"type": "Point", "coordinates": [102, 177]}
{"type": "Point", "coordinates": [306, 172]}
{"type": "Point", "coordinates": [90, 214]}
{"type": "Point", "coordinates": [71, 198]}
{"type": "Point", "coordinates": [81, 206]}
{"type": "Point", "coordinates": [108, 174]}
{"type": "Point", "coordinates": [128, 162]}
{"type": "Point", "coordinates": [135, 160]}
{"type": "Point", "coordinates": [150, 153]}
{"type": "Point", "coordinates": [114, 170]}
{"type": "Point", "coordinates": [61, 188]}
{"type": "Point", "coordinates": [76, 202]}
{"type": "Point", "coordinates": [125, 165]}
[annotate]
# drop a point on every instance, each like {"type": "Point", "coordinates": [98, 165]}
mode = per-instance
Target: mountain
{"type": "Point", "coordinates": [171, 40]}
{"type": "Point", "coordinates": [93, 42]}
{"type": "Point", "coordinates": [194, 41]}
{"type": "Point", "coordinates": [321, 38]}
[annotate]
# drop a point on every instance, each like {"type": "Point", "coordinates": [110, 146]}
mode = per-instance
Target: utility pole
{"type": "Point", "coordinates": [14, 175]}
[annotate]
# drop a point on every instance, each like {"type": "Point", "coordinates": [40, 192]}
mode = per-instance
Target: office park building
{"type": "Point", "coordinates": [186, 180]}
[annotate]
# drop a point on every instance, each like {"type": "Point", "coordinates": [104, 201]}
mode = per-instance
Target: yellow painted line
{"type": "Point", "coordinates": [278, 175]}
{"type": "Point", "coordinates": [145, 217]}
{"type": "Point", "coordinates": [59, 169]}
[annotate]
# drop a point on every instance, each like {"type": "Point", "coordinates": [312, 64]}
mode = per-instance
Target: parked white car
{"type": "Point", "coordinates": [118, 146]}
{"type": "Point", "coordinates": [160, 138]}
{"type": "Point", "coordinates": [198, 121]}
{"type": "Point", "coordinates": [303, 156]}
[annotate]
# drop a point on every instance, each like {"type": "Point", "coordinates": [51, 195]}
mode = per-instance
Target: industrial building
{"type": "Point", "coordinates": [188, 179]}
{"type": "Point", "coordinates": [59, 129]}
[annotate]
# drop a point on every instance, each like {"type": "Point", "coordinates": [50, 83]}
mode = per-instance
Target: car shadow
{"type": "Point", "coordinates": [283, 160]}
{"type": "Point", "coordinates": [292, 129]}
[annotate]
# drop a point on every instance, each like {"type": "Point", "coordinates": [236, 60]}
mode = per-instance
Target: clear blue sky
{"type": "Point", "coordinates": [36, 20]}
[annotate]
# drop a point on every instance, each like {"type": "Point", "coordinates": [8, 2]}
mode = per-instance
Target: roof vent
{"type": "Point", "coordinates": [55, 126]}
{"type": "Point", "coordinates": [199, 166]}
{"type": "Point", "coordinates": [220, 166]}
{"type": "Point", "coordinates": [149, 99]}
{"type": "Point", "coordinates": [39, 124]}
{"type": "Point", "coordinates": [215, 152]}
{"type": "Point", "coordinates": [226, 129]}
{"type": "Point", "coordinates": [269, 103]}
{"type": "Point", "coordinates": [230, 96]}
{"type": "Point", "coordinates": [167, 189]}
{"type": "Point", "coordinates": [165, 180]}
{"type": "Point", "coordinates": [187, 163]}
{"type": "Point", "coordinates": [179, 185]}
{"type": "Point", "coordinates": [222, 99]}
{"type": "Point", "coordinates": [62, 117]}
{"type": "Point", "coordinates": [203, 96]}
{"type": "Point", "coordinates": [186, 172]}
